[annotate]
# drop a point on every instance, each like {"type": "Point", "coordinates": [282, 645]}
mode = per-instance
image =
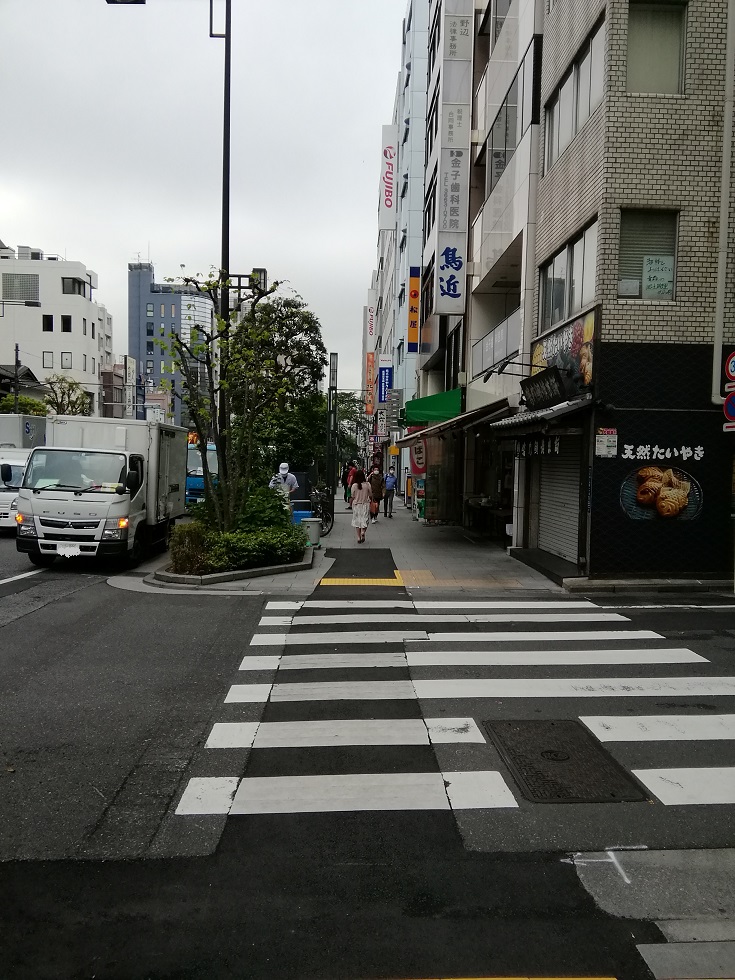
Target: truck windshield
{"type": "Point", "coordinates": [14, 481]}
{"type": "Point", "coordinates": [75, 470]}
{"type": "Point", "coordinates": [194, 462]}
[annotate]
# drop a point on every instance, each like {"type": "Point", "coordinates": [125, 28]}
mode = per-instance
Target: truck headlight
{"type": "Point", "coordinates": [26, 526]}
{"type": "Point", "coordinates": [116, 529]}
{"type": "Point", "coordinates": [14, 503]}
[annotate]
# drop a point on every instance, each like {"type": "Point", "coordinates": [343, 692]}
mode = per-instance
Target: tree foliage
{"type": "Point", "coordinates": [26, 405]}
{"type": "Point", "coordinates": [236, 374]}
{"type": "Point", "coordinates": [66, 396]}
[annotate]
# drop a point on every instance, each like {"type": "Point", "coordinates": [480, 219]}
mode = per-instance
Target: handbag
{"type": "Point", "coordinates": [374, 507]}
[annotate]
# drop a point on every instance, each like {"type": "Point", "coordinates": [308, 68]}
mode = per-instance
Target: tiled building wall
{"type": "Point", "coordinates": [665, 151]}
{"type": "Point", "coordinates": [658, 151]}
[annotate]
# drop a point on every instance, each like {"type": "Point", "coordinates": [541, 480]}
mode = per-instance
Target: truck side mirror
{"type": "Point", "coordinates": [6, 473]}
{"type": "Point", "coordinates": [132, 482]}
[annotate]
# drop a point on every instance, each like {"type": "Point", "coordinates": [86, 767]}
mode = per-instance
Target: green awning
{"type": "Point", "coordinates": [434, 408]}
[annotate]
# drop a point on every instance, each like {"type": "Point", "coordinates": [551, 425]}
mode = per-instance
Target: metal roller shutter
{"type": "Point", "coordinates": [559, 500]}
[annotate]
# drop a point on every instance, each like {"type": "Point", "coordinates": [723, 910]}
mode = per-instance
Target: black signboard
{"type": "Point", "coordinates": [544, 389]}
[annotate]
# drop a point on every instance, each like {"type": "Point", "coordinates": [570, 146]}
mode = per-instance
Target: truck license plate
{"type": "Point", "coordinates": [68, 550]}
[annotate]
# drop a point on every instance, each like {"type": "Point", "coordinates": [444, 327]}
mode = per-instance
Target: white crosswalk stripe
{"type": "Point", "coordinates": [498, 668]}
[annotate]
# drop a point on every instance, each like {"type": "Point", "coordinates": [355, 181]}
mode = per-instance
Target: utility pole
{"type": "Point", "coordinates": [16, 379]}
{"type": "Point", "coordinates": [332, 424]}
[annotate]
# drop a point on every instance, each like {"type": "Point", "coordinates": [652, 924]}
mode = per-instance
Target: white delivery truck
{"type": "Point", "coordinates": [18, 435]}
{"type": "Point", "coordinates": [101, 487]}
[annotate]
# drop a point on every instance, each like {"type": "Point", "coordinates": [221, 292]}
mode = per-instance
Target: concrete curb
{"type": "Point", "coordinates": [161, 575]}
{"type": "Point", "coordinates": [646, 585]}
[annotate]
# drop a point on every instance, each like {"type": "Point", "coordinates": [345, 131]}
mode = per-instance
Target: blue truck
{"type": "Point", "coordinates": [195, 471]}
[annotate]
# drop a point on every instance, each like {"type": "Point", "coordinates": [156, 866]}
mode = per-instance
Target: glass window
{"type": "Point", "coordinates": [84, 326]}
{"type": "Point", "coordinates": [173, 309]}
{"type": "Point", "coordinates": [149, 329]}
{"type": "Point", "coordinates": [48, 322]}
{"type": "Point", "coordinates": [149, 347]}
{"type": "Point", "coordinates": [65, 323]}
{"type": "Point", "coordinates": [559, 287]}
{"type": "Point", "coordinates": [546, 296]}
{"type": "Point", "coordinates": [577, 271]}
{"type": "Point", "coordinates": [92, 331]}
{"type": "Point", "coordinates": [84, 362]}
{"type": "Point", "coordinates": [149, 309]}
{"type": "Point", "coordinates": [597, 68]}
{"type": "Point", "coordinates": [48, 359]}
{"type": "Point", "coordinates": [65, 361]}
{"type": "Point", "coordinates": [647, 259]}
{"type": "Point", "coordinates": [566, 113]}
{"type": "Point", "coordinates": [149, 367]}
{"type": "Point", "coordinates": [511, 119]}
{"type": "Point", "coordinates": [94, 367]}
{"type": "Point", "coordinates": [163, 309]}
{"type": "Point", "coordinates": [655, 47]}
{"type": "Point", "coordinates": [583, 90]}
{"type": "Point", "coordinates": [528, 89]}
{"type": "Point", "coordinates": [552, 132]}
{"type": "Point", "coordinates": [497, 157]}
{"type": "Point", "coordinates": [163, 367]}
{"type": "Point", "coordinates": [590, 265]}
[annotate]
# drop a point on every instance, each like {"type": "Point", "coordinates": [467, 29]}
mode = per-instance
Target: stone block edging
{"type": "Point", "coordinates": [163, 575]}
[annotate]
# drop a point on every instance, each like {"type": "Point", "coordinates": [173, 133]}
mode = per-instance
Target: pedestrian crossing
{"type": "Point", "coordinates": [397, 676]}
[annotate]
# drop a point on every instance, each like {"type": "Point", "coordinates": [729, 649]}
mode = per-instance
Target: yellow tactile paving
{"type": "Point", "coordinates": [398, 581]}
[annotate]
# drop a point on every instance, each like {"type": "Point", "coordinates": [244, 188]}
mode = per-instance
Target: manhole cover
{"type": "Point", "coordinates": [561, 762]}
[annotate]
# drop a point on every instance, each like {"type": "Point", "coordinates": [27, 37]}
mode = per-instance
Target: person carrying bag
{"type": "Point", "coordinates": [377, 485]}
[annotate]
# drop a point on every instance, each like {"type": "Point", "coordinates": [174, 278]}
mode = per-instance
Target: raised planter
{"type": "Point", "coordinates": [163, 575]}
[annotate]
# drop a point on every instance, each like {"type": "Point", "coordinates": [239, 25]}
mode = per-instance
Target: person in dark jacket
{"type": "Point", "coordinates": [390, 490]}
{"type": "Point", "coordinates": [377, 486]}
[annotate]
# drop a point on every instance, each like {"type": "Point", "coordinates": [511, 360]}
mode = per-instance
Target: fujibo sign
{"type": "Point", "coordinates": [387, 209]}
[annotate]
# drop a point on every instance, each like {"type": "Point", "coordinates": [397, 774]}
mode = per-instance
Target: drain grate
{"type": "Point", "coordinates": [561, 762]}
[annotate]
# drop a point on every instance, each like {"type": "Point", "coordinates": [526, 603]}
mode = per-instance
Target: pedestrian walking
{"type": "Point", "coordinates": [343, 481]}
{"type": "Point", "coordinates": [390, 491]}
{"type": "Point", "coordinates": [360, 496]}
{"type": "Point", "coordinates": [350, 478]}
{"type": "Point", "coordinates": [377, 485]}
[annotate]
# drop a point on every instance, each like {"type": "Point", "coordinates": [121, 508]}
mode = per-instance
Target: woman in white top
{"type": "Point", "coordinates": [360, 496]}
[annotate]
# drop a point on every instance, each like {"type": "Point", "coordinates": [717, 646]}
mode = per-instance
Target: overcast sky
{"type": "Point", "coordinates": [111, 143]}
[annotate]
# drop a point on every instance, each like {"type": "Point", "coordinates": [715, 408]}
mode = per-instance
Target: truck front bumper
{"type": "Point", "coordinates": [87, 549]}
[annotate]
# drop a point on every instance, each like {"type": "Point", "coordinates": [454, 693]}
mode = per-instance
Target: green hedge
{"type": "Point", "coordinates": [195, 550]}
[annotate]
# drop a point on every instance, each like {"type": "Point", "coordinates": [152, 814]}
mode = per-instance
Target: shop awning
{"type": "Point", "coordinates": [434, 408]}
{"type": "Point", "coordinates": [526, 421]}
{"type": "Point", "coordinates": [464, 421]}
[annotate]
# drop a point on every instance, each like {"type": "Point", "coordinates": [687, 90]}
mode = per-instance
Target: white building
{"type": "Point", "coordinates": [47, 308]}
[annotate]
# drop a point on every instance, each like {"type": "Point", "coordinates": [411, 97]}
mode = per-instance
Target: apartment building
{"type": "Point", "coordinates": [392, 307]}
{"type": "Point", "coordinates": [49, 310]}
{"type": "Point", "coordinates": [600, 294]}
{"type": "Point", "coordinates": [155, 310]}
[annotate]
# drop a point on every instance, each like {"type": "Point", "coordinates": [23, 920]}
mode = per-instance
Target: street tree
{"type": "Point", "coordinates": [66, 396]}
{"type": "Point", "coordinates": [258, 360]}
{"type": "Point", "coordinates": [26, 405]}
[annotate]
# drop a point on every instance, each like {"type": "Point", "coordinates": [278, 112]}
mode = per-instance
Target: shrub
{"type": "Point", "coordinates": [197, 551]}
{"type": "Point", "coordinates": [265, 508]}
{"type": "Point", "coordinates": [189, 548]}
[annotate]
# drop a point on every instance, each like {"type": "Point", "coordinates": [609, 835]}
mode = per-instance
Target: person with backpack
{"type": "Point", "coordinates": [391, 481]}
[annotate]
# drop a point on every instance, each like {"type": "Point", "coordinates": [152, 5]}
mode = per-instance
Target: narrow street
{"type": "Point", "coordinates": [314, 783]}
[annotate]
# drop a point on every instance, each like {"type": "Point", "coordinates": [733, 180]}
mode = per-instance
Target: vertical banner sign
{"type": "Point", "coordinates": [388, 165]}
{"type": "Point", "coordinates": [382, 424]}
{"type": "Point", "coordinates": [414, 298]}
{"type": "Point", "coordinates": [385, 378]}
{"type": "Point", "coordinates": [453, 179]}
{"type": "Point", "coordinates": [370, 383]}
{"type": "Point", "coordinates": [371, 324]}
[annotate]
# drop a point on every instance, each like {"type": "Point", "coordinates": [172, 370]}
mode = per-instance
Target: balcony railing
{"type": "Point", "coordinates": [498, 344]}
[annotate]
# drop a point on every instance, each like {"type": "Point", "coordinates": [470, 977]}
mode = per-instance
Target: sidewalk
{"type": "Point", "coordinates": [439, 558]}
{"type": "Point", "coordinates": [427, 558]}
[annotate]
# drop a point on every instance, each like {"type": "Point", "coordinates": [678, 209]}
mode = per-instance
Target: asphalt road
{"type": "Point", "coordinates": [106, 703]}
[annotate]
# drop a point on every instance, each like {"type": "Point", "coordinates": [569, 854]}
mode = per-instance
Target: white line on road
{"type": "Point", "coordinates": [373, 731]}
{"type": "Point", "coordinates": [537, 637]}
{"type": "Point", "coordinates": [340, 639]}
{"type": "Point", "coordinates": [511, 604]}
{"type": "Point", "coordinates": [372, 791]}
{"type": "Point", "coordinates": [688, 787]}
{"type": "Point", "coordinates": [248, 694]}
{"type": "Point", "coordinates": [333, 661]}
{"type": "Point", "coordinates": [208, 795]}
{"type": "Point", "coordinates": [661, 728]}
{"type": "Point", "coordinates": [16, 578]}
{"type": "Point", "coordinates": [347, 619]}
{"type": "Point", "coordinates": [260, 663]}
{"type": "Point", "coordinates": [548, 658]}
{"type": "Point", "coordinates": [577, 687]}
{"type": "Point", "coordinates": [343, 691]}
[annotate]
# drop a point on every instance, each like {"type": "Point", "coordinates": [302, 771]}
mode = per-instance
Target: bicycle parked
{"type": "Point", "coordinates": [322, 506]}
